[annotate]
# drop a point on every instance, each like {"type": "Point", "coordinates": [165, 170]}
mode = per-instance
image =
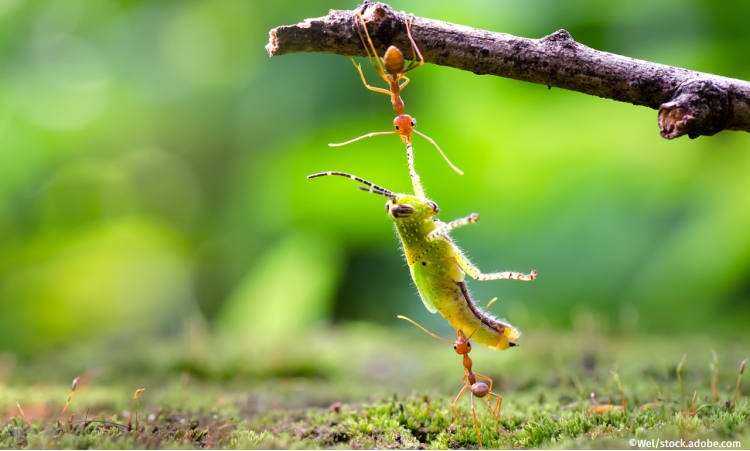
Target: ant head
{"type": "Point", "coordinates": [394, 61]}
{"type": "Point", "coordinates": [462, 345]}
{"type": "Point", "coordinates": [409, 208]}
{"type": "Point", "coordinates": [404, 124]}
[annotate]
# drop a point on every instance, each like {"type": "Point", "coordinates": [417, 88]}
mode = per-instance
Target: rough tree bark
{"type": "Point", "coordinates": [689, 103]}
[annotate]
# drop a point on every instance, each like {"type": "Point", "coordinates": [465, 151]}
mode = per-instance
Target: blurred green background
{"type": "Point", "coordinates": [153, 162]}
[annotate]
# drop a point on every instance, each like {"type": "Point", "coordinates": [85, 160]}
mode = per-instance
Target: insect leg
{"type": "Point", "coordinates": [476, 423]}
{"type": "Point", "coordinates": [453, 406]}
{"type": "Point", "coordinates": [447, 227]}
{"type": "Point", "coordinates": [404, 83]}
{"type": "Point", "coordinates": [414, 49]}
{"type": "Point", "coordinates": [362, 76]}
{"type": "Point", "coordinates": [475, 272]}
{"type": "Point", "coordinates": [485, 378]}
{"type": "Point", "coordinates": [498, 406]}
{"type": "Point", "coordinates": [374, 57]}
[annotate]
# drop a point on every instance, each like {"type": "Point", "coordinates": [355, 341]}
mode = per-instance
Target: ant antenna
{"type": "Point", "coordinates": [487, 307]}
{"type": "Point", "coordinates": [373, 188]}
{"type": "Point", "coordinates": [460, 172]}
{"type": "Point", "coordinates": [368, 135]}
{"type": "Point", "coordinates": [425, 330]}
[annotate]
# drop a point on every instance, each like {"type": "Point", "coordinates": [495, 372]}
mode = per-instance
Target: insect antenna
{"type": "Point", "coordinates": [487, 307]}
{"type": "Point", "coordinates": [372, 187]}
{"type": "Point", "coordinates": [425, 330]}
{"type": "Point", "coordinates": [439, 150]}
{"type": "Point", "coordinates": [374, 191]}
{"type": "Point", "coordinates": [368, 135]}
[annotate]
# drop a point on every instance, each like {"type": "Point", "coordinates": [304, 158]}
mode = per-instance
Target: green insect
{"type": "Point", "coordinates": [438, 266]}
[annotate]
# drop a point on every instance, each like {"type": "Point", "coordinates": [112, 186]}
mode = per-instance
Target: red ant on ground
{"type": "Point", "coordinates": [462, 346]}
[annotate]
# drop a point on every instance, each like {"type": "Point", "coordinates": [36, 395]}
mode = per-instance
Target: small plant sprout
{"type": "Point", "coordinates": [692, 402]}
{"type": "Point", "coordinates": [438, 267]}
{"type": "Point", "coordinates": [73, 387]}
{"type": "Point", "coordinates": [392, 69]}
{"type": "Point", "coordinates": [23, 415]}
{"type": "Point", "coordinates": [715, 377]}
{"type": "Point", "coordinates": [462, 346]}
{"type": "Point", "coordinates": [136, 395]}
{"type": "Point", "coordinates": [691, 406]}
{"type": "Point", "coordinates": [739, 379]}
{"type": "Point", "coordinates": [679, 378]}
{"type": "Point", "coordinates": [601, 408]}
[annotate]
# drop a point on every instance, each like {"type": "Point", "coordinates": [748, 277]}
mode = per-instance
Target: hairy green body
{"type": "Point", "coordinates": [435, 263]}
{"type": "Point", "coordinates": [439, 267]}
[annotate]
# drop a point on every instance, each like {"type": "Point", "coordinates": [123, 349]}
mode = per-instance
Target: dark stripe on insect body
{"type": "Point", "coordinates": [481, 316]}
{"type": "Point", "coordinates": [374, 191]}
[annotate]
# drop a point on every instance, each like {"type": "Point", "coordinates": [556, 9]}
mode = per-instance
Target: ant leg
{"type": "Point", "coordinates": [444, 228]}
{"type": "Point", "coordinates": [485, 377]}
{"type": "Point", "coordinates": [374, 57]}
{"type": "Point", "coordinates": [439, 150]}
{"type": "Point", "coordinates": [404, 83]}
{"type": "Point", "coordinates": [490, 408]}
{"type": "Point", "coordinates": [362, 76]}
{"type": "Point", "coordinates": [414, 49]}
{"type": "Point", "coordinates": [498, 406]}
{"type": "Point", "coordinates": [416, 182]}
{"type": "Point", "coordinates": [475, 273]}
{"type": "Point", "coordinates": [453, 406]}
{"type": "Point", "coordinates": [476, 423]}
{"type": "Point", "coordinates": [368, 135]}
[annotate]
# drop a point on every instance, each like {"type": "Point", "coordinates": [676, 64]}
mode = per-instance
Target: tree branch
{"type": "Point", "coordinates": [689, 103]}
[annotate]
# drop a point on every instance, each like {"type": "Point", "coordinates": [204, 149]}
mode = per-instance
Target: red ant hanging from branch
{"type": "Point", "coordinates": [392, 69]}
{"type": "Point", "coordinates": [462, 346]}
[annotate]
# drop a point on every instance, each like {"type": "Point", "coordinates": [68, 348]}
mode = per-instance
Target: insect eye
{"type": "Point", "coordinates": [435, 207]}
{"type": "Point", "coordinates": [402, 210]}
{"type": "Point", "coordinates": [413, 123]}
{"type": "Point", "coordinates": [454, 346]}
{"type": "Point", "coordinates": [397, 127]}
{"type": "Point", "coordinates": [468, 344]}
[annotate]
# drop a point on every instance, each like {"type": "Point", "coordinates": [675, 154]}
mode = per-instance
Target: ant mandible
{"type": "Point", "coordinates": [392, 69]}
{"type": "Point", "coordinates": [462, 346]}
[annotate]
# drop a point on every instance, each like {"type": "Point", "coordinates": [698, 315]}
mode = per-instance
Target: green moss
{"type": "Point", "coordinates": [369, 391]}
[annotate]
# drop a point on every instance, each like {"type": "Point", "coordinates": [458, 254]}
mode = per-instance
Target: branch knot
{"type": "Point", "coordinates": [560, 35]}
{"type": "Point", "coordinates": [698, 107]}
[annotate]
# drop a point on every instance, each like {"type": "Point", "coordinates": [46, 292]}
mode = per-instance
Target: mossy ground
{"type": "Point", "coordinates": [366, 387]}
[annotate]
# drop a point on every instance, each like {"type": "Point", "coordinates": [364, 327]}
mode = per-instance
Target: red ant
{"type": "Point", "coordinates": [462, 346]}
{"type": "Point", "coordinates": [392, 69]}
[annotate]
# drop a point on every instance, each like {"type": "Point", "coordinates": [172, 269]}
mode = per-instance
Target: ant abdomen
{"type": "Point", "coordinates": [394, 61]}
{"type": "Point", "coordinates": [479, 389]}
